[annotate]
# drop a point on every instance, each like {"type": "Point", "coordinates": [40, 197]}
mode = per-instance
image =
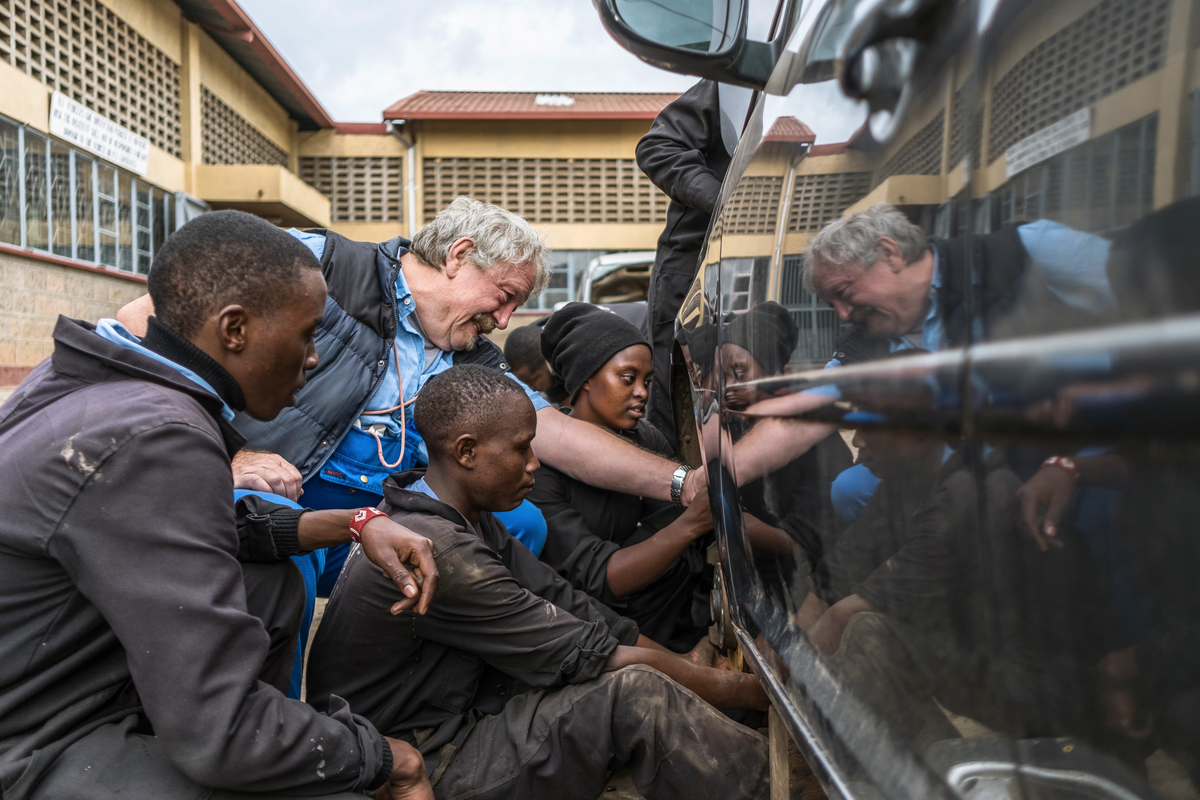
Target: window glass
{"type": "Point", "coordinates": [159, 207]}
{"type": "Point", "coordinates": [37, 229]}
{"type": "Point", "coordinates": [60, 199]}
{"type": "Point", "coordinates": [106, 198]}
{"type": "Point", "coordinates": [125, 222]}
{"type": "Point", "coordinates": [85, 208]}
{"type": "Point", "coordinates": [143, 230]}
{"type": "Point", "coordinates": [10, 200]}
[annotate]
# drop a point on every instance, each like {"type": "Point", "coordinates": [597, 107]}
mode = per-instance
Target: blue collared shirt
{"type": "Point", "coordinates": [116, 333]}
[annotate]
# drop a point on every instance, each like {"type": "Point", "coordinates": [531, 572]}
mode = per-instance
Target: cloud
{"type": "Point", "coordinates": [360, 57]}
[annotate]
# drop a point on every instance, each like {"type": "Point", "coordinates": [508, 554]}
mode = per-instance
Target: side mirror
{"type": "Point", "coordinates": [695, 37]}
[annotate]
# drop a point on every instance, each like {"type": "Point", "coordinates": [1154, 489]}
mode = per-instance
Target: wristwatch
{"type": "Point", "coordinates": [677, 480]}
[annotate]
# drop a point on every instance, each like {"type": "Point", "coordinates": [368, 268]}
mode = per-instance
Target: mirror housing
{"type": "Point", "coordinates": [742, 63]}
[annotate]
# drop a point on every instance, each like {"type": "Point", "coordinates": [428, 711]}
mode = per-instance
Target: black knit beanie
{"type": "Point", "coordinates": [579, 338]}
{"type": "Point", "coordinates": [768, 332]}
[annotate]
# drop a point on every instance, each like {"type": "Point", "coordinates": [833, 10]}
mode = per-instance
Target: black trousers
{"type": "Point", "coordinates": [565, 743]}
{"type": "Point", "coordinates": [669, 283]}
{"type": "Point", "coordinates": [121, 760]}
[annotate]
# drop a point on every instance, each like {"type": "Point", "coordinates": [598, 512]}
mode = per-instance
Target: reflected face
{"type": "Point", "coordinates": [887, 298]}
{"type": "Point", "coordinates": [504, 459]}
{"type": "Point", "coordinates": [740, 367]}
{"type": "Point", "coordinates": [615, 397]}
{"type": "Point", "coordinates": [280, 350]}
{"type": "Point", "coordinates": [539, 379]}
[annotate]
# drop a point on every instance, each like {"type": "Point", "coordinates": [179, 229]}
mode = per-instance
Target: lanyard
{"type": "Point", "coordinates": [403, 404]}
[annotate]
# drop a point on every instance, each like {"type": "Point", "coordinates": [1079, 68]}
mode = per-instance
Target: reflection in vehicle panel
{"type": "Point", "coordinates": [997, 598]}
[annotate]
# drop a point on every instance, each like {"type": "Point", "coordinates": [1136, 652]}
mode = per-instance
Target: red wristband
{"type": "Point", "coordinates": [1062, 462]}
{"type": "Point", "coordinates": [362, 517]}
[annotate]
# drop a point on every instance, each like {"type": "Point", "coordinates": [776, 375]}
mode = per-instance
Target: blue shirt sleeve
{"type": "Point", "coordinates": [313, 241]}
{"type": "Point", "coordinates": [1073, 263]}
{"type": "Point", "coordinates": [538, 401]}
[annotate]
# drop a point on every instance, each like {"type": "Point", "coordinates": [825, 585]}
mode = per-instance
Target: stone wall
{"type": "Point", "coordinates": [33, 292]}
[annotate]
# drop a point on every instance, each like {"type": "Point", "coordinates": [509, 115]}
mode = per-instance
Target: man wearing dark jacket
{"type": "Point", "coordinates": [138, 657]}
{"type": "Point", "coordinates": [515, 685]}
{"type": "Point", "coordinates": [685, 156]}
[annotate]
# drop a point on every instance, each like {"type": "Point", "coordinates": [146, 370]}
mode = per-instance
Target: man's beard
{"type": "Point", "coordinates": [486, 324]}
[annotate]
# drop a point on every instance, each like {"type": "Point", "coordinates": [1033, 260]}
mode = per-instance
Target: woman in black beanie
{"type": "Point", "coordinates": [756, 345]}
{"type": "Point", "coordinates": [636, 555]}
{"type": "Point", "coordinates": [789, 507]}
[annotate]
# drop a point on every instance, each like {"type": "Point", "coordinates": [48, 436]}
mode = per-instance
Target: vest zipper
{"type": "Point", "coordinates": [392, 294]}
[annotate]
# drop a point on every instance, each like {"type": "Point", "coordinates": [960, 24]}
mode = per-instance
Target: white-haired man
{"type": "Point", "coordinates": [398, 313]}
{"type": "Point", "coordinates": [903, 290]}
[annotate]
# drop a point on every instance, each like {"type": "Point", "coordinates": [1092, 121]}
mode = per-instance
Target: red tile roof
{"type": "Point", "coordinates": [232, 29]}
{"type": "Point", "coordinates": [529, 105]}
{"type": "Point", "coordinates": [791, 130]}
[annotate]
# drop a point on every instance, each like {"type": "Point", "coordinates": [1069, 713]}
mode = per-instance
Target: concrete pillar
{"type": "Point", "coordinates": [191, 140]}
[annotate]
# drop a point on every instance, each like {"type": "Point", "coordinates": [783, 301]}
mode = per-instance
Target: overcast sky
{"type": "Point", "coordinates": [360, 56]}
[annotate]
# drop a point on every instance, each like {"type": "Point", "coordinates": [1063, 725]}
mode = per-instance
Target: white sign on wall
{"type": "Point", "coordinates": [84, 128]}
{"type": "Point", "coordinates": [1049, 141]}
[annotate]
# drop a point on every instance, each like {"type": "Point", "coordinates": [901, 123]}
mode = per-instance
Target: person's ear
{"type": "Point", "coordinates": [892, 253]}
{"type": "Point", "coordinates": [232, 322]}
{"type": "Point", "coordinates": [456, 256]}
{"type": "Point", "coordinates": [464, 450]}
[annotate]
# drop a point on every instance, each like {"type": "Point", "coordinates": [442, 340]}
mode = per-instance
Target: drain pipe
{"type": "Point", "coordinates": [397, 128]}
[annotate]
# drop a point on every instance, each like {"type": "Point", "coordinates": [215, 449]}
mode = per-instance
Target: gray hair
{"type": "Point", "coordinates": [855, 240]}
{"type": "Point", "coordinates": [501, 237]}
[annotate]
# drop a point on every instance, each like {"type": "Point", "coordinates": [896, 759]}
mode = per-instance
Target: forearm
{"type": "Point", "coordinates": [772, 444]}
{"type": "Point", "coordinates": [721, 688]}
{"type": "Point", "coordinates": [810, 611]}
{"type": "Point", "coordinates": [596, 457]}
{"type": "Point", "coordinates": [330, 528]}
{"type": "Point", "coordinates": [637, 566]}
{"type": "Point", "coordinates": [766, 537]}
{"type": "Point", "coordinates": [826, 633]}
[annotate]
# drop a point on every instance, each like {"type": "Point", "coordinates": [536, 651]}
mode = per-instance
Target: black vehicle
{"type": "Point", "coordinates": [999, 319]}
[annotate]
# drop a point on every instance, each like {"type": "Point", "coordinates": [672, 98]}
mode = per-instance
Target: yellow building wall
{"type": "Point", "coordinates": [330, 143]}
{"type": "Point", "coordinates": [530, 138]}
{"type": "Point", "coordinates": [228, 81]}
{"type": "Point", "coordinates": [157, 20]}
{"type": "Point", "coordinates": [34, 292]}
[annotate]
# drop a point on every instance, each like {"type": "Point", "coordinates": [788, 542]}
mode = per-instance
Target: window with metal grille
{"type": "Point", "coordinates": [360, 189]}
{"type": "Point", "coordinates": [966, 127]}
{"type": "Point", "coordinates": [1100, 185]}
{"type": "Point", "coordinates": [60, 200]}
{"type": "Point", "coordinates": [920, 155]}
{"type": "Point", "coordinates": [818, 323]}
{"type": "Point", "coordinates": [817, 199]}
{"type": "Point", "coordinates": [84, 50]}
{"type": "Point", "coordinates": [571, 190]}
{"type": "Point", "coordinates": [1111, 46]}
{"type": "Point", "coordinates": [227, 137]}
{"type": "Point", "coordinates": [753, 208]}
